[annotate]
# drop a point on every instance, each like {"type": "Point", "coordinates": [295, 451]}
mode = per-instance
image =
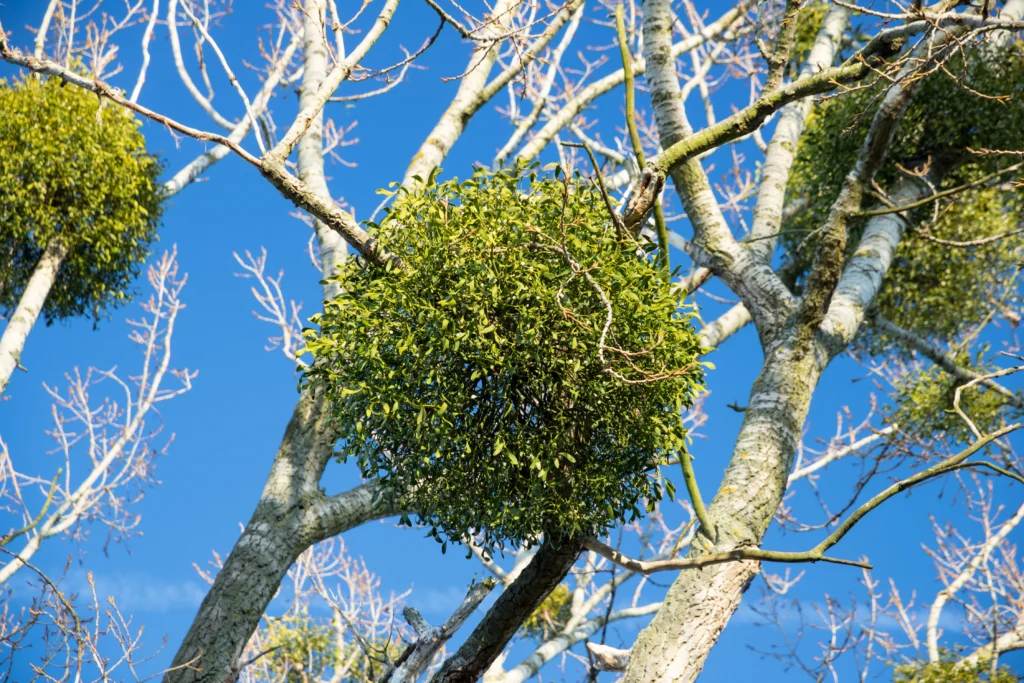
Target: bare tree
{"type": "Point", "coordinates": [549, 66]}
{"type": "Point", "coordinates": [107, 437]}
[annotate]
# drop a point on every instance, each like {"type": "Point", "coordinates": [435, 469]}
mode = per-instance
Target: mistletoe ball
{"type": "Point", "coordinates": [518, 370]}
{"type": "Point", "coordinates": [74, 173]}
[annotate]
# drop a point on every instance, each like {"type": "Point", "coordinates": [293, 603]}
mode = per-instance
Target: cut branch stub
{"type": "Point", "coordinates": [643, 199]}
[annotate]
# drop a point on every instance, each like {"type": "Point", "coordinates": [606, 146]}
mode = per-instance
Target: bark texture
{"type": "Point", "coordinates": [799, 340]}
{"type": "Point", "coordinates": [311, 145]}
{"type": "Point", "coordinates": [467, 100]}
{"type": "Point", "coordinates": [293, 514]}
{"type": "Point", "coordinates": [545, 571]}
{"type": "Point", "coordinates": [700, 602]}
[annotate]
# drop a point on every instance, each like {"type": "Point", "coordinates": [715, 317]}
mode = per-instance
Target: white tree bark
{"type": "Point", "coordinates": [293, 514]}
{"type": "Point", "coordinates": [778, 160]}
{"type": "Point", "coordinates": [700, 602]}
{"type": "Point", "coordinates": [467, 101]}
{"type": "Point", "coordinates": [333, 248]}
{"type": "Point", "coordinates": [713, 246]}
{"type": "Point", "coordinates": [30, 305]}
{"type": "Point", "coordinates": [541, 99]}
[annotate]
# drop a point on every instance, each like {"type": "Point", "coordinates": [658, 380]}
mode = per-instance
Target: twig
{"type": "Point", "coordinates": [939, 195]}
{"type": "Point", "coordinates": [815, 554]}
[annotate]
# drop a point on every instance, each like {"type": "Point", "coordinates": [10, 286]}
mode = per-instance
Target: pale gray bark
{"type": "Point", "coordinates": [430, 639]}
{"type": "Point", "coordinates": [541, 100]}
{"type": "Point", "coordinates": [474, 90]}
{"type": "Point", "coordinates": [179, 63]}
{"type": "Point", "coordinates": [30, 305]}
{"type": "Point", "coordinates": [700, 602]}
{"type": "Point", "coordinates": [781, 152]}
{"type": "Point", "coordinates": [338, 75]}
{"type": "Point", "coordinates": [712, 246]}
{"type": "Point", "coordinates": [333, 249]}
{"type": "Point", "coordinates": [865, 271]}
{"type": "Point", "coordinates": [293, 513]}
{"type": "Point", "coordinates": [195, 168]}
{"type": "Point", "coordinates": [724, 326]}
{"type": "Point", "coordinates": [1006, 642]}
{"type": "Point", "coordinates": [44, 29]}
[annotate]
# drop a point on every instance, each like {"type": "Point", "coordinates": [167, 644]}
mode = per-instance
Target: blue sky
{"type": "Point", "coordinates": [227, 429]}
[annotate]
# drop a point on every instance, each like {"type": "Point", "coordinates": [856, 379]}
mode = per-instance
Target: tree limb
{"type": "Point", "coordinates": [545, 571]}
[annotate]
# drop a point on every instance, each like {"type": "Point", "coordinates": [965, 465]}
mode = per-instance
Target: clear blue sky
{"type": "Point", "coordinates": [228, 428]}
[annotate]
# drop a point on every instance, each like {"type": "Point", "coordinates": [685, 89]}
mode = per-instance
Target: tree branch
{"type": "Point", "coordinates": [430, 639]}
{"type": "Point", "coordinates": [545, 571]}
{"type": "Point", "coordinates": [817, 553]}
{"type": "Point", "coordinates": [941, 359]}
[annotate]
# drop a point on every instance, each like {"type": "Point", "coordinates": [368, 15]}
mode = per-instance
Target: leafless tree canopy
{"type": "Point", "coordinates": [752, 76]}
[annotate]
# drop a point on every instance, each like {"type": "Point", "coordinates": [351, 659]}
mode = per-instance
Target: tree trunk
{"type": "Point", "coordinates": [292, 515]}
{"type": "Point", "coordinates": [701, 601]}
{"type": "Point", "coordinates": [29, 307]}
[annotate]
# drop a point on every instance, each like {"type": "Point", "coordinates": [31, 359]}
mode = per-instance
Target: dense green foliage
{"type": "Point", "coordinates": [949, 670]}
{"type": "Point", "coordinates": [933, 289]}
{"type": "Point", "coordinates": [483, 380]}
{"type": "Point", "coordinates": [74, 170]}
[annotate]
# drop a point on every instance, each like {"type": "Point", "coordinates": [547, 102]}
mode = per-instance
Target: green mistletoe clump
{"type": "Point", "coordinates": [74, 173]}
{"type": "Point", "coordinates": [517, 370]}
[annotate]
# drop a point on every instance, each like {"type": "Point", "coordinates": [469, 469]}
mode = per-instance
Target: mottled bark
{"type": "Point", "coordinates": [713, 246]}
{"type": "Point", "coordinates": [724, 326]}
{"type": "Point", "coordinates": [700, 602]}
{"type": "Point", "coordinates": [293, 513]}
{"type": "Point", "coordinates": [519, 600]}
{"type": "Point", "coordinates": [431, 639]}
{"type": "Point", "coordinates": [30, 305]}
